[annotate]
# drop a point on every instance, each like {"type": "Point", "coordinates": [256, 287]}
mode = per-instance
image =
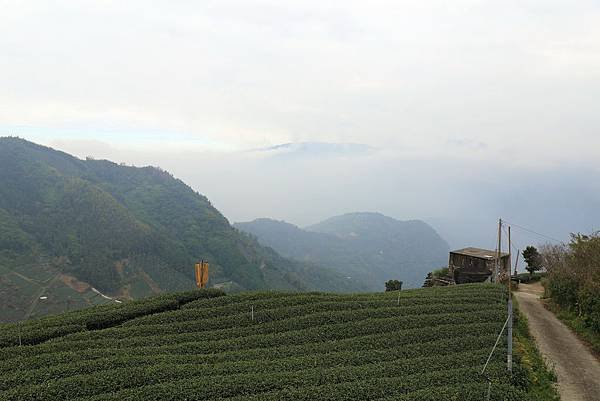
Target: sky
{"type": "Point", "coordinates": [455, 112]}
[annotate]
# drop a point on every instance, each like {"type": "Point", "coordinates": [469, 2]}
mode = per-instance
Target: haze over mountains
{"type": "Point", "coordinates": [461, 192]}
{"type": "Point", "coordinates": [468, 120]}
{"type": "Point", "coordinates": [69, 225]}
{"type": "Point", "coordinates": [368, 246]}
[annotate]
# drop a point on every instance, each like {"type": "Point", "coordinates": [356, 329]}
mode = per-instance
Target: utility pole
{"type": "Point", "coordinates": [509, 262]}
{"type": "Point", "coordinates": [497, 265]}
{"type": "Point", "coordinates": [510, 309]}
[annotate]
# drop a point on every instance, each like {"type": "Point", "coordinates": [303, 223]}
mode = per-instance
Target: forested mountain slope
{"type": "Point", "coordinates": [67, 225]}
{"type": "Point", "coordinates": [370, 247]}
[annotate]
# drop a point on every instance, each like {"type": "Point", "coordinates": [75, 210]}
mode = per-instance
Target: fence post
{"type": "Point", "coordinates": [510, 335]}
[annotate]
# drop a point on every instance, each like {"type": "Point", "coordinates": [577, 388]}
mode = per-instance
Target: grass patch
{"type": "Point", "coordinates": [540, 378]}
{"type": "Point", "coordinates": [443, 272]}
{"type": "Point", "coordinates": [577, 324]}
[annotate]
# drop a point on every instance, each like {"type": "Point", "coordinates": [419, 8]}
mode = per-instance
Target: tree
{"type": "Point", "coordinates": [573, 279]}
{"type": "Point", "coordinates": [533, 259]}
{"type": "Point", "coordinates": [393, 285]}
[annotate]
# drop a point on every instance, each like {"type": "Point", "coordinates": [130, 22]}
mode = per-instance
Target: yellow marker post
{"type": "Point", "coordinates": [197, 271]}
{"type": "Point", "coordinates": [204, 275]}
{"type": "Point", "coordinates": [201, 271]}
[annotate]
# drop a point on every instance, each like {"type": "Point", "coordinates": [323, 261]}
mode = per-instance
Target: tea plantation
{"type": "Point", "coordinates": [427, 344]}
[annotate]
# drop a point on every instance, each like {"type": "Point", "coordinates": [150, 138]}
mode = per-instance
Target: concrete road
{"type": "Point", "coordinates": [577, 369]}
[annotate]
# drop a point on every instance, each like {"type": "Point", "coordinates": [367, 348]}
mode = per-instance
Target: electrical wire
{"type": "Point", "coordinates": [515, 248]}
{"type": "Point", "coordinates": [532, 231]}
{"type": "Point", "coordinates": [495, 246]}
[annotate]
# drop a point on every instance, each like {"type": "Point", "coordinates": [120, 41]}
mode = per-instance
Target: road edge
{"type": "Point", "coordinates": [542, 380]}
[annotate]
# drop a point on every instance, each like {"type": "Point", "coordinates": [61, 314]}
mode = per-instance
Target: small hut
{"type": "Point", "coordinates": [475, 265]}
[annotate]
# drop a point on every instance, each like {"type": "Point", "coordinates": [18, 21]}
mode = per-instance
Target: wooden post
{"type": "Point", "coordinates": [496, 269]}
{"type": "Point", "coordinates": [509, 264]}
{"type": "Point", "coordinates": [509, 336]}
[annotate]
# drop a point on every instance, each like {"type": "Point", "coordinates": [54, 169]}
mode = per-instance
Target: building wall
{"type": "Point", "coordinates": [468, 263]}
{"type": "Point", "coordinates": [473, 264]}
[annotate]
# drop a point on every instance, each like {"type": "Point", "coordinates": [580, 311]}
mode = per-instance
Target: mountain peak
{"type": "Point", "coordinates": [122, 230]}
{"type": "Point", "coordinates": [313, 149]}
{"type": "Point", "coordinates": [366, 245]}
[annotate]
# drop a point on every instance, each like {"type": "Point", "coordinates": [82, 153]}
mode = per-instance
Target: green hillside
{"type": "Point", "coordinates": [72, 228]}
{"type": "Point", "coordinates": [426, 344]}
{"type": "Point", "coordinates": [370, 247]}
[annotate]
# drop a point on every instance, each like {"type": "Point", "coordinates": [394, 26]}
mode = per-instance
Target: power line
{"type": "Point", "coordinates": [533, 232]}
{"type": "Point", "coordinates": [515, 248]}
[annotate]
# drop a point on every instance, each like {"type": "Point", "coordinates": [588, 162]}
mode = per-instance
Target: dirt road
{"type": "Point", "coordinates": [577, 369]}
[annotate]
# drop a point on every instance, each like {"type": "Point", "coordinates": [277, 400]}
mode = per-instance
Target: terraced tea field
{"type": "Point", "coordinates": [427, 344]}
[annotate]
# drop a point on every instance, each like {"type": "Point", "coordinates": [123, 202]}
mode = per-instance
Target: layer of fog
{"type": "Point", "coordinates": [461, 198]}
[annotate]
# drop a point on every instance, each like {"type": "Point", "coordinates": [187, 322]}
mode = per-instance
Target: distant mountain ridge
{"type": "Point", "coordinates": [313, 149]}
{"type": "Point", "coordinates": [67, 225]}
{"type": "Point", "coordinates": [371, 247]}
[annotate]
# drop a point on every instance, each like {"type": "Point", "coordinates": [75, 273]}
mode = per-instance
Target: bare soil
{"type": "Point", "coordinates": [577, 369]}
{"type": "Point", "coordinates": [75, 284]}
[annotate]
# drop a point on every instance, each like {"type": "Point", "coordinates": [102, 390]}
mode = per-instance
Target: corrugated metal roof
{"type": "Point", "coordinates": [479, 253]}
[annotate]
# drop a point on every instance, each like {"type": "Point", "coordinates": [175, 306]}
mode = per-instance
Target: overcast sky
{"type": "Point", "coordinates": [437, 98]}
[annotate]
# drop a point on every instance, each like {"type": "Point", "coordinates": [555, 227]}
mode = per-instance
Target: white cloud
{"type": "Point", "coordinates": [255, 73]}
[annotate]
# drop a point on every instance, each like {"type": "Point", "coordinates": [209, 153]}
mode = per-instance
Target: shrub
{"type": "Point", "coordinates": [393, 285]}
{"type": "Point", "coordinates": [573, 279]}
{"type": "Point", "coordinates": [588, 299]}
{"type": "Point", "coordinates": [95, 318]}
{"type": "Point", "coordinates": [425, 344]}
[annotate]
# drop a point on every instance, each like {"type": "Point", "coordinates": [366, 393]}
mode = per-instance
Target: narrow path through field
{"type": "Point", "coordinates": [36, 298]}
{"type": "Point", "coordinates": [577, 369]}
